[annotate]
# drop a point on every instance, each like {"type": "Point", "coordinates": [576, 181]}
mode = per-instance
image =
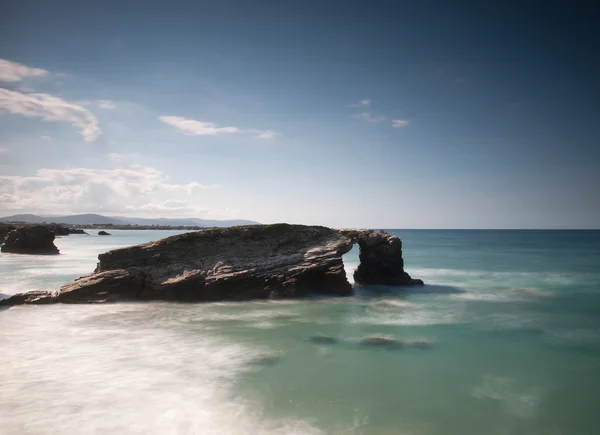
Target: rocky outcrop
{"type": "Point", "coordinates": [381, 259]}
{"type": "Point", "coordinates": [236, 263]}
{"type": "Point", "coordinates": [35, 239]}
{"type": "Point", "coordinates": [103, 233]}
{"type": "Point", "coordinates": [63, 230]}
{"type": "Point", "coordinates": [4, 230]}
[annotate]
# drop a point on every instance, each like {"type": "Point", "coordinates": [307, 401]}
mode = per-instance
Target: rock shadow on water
{"type": "Point", "coordinates": [370, 291]}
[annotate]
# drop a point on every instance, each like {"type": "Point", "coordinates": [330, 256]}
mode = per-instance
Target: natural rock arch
{"type": "Point", "coordinates": [380, 255]}
{"type": "Point", "coordinates": [236, 263]}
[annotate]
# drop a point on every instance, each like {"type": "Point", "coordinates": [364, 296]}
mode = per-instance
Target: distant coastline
{"type": "Point", "coordinates": [95, 221]}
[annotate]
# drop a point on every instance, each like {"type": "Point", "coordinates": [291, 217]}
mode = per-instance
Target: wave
{"type": "Point", "coordinates": [522, 403]}
{"type": "Point", "coordinates": [126, 377]}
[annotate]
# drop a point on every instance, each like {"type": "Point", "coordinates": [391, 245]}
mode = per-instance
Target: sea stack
{"type": "Point", "coordinates": [34, 240]}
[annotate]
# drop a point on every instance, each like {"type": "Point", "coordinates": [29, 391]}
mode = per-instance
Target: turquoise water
{"type": "Point", "coordinates": [510, 320]}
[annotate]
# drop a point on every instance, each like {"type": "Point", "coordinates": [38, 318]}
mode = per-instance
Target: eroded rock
{"type": "Point", "coordinates": [239, 263]}
{"type": "Point", "coordinates": [35, 239]}
{"type": "Point", "coordinates": [380, 258]}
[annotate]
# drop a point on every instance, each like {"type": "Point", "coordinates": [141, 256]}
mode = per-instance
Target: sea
{"type": "Point", "coordinates": [504, 339]}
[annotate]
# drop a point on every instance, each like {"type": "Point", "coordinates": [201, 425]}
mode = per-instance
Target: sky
{"type": "Point", "coordinates": [404, 114]}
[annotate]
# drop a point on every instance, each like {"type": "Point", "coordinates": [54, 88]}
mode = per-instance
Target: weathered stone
{"type": "Point", "coordinates": [380, 258]}
{"type": "Point", "coordinates": [32, 297]}
{"type": "Point", "coordinates": [4, 230]}
{"type": "Point", "coordinates": [237, 263]}
{"type": "Point", "coordinates": [35, 239]}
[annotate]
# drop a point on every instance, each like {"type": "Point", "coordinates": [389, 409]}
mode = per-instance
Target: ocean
{"type": "Point", "coordinates": [503, 339]}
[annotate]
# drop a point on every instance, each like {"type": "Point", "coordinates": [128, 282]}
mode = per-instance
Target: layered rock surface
{"type": "Point", "coordinates": [236, 263]}
{"type": "Point", "coordinates": [35, 239]}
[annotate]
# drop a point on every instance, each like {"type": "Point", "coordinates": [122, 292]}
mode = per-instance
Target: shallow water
{"type": "Point", "coordinates": [504, 339]}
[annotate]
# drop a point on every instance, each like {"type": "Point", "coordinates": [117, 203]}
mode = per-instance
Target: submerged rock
{"type": "Point", "coordinates": [37, 240]}
{"type": "Point", "coordinates": [103, 233]}
{"type": "Point", "coordinates": [237, 263]}
{"type": "Point", "coordinates": [381, 341]}
{"type": "Point", "coordinates": [323, 339]}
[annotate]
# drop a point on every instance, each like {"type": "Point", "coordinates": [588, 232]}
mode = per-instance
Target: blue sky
{"type": "Point", "coordinates": [370, 114]}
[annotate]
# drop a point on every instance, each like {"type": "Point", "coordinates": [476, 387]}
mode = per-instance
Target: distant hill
{"type": "Point", "coordinates": [89, 219]}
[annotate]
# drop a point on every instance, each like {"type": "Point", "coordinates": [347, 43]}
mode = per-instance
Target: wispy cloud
{"type": "Point", "coordinates": [367, 116]}
{"type": "Point", "coordinates": [193, 127]}
{"type": "Point", "coordinates": [15, 72]}
{"type": "Point", "coordinates": [92, 190]}
{"type": "Point", "coordinates": [106, 104]}
{"type": "Point", "coordinates": [399, 123]}
{"type": "Point", "coordinates": [3, 151]}
{"type": "Point", "coordinates": [50, 108]}
{"type": "Point", "coordinates": [115, 157]}
{"type": "Point", "coordinates": [362, 103]}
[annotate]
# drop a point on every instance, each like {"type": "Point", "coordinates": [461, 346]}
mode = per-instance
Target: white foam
{"type": "Point", "coordinates": [519, 403]}
{"type": "Point", "coordinates": [64, 371]}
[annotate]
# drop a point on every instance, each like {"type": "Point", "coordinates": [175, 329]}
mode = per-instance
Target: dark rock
{"type": "Point", "coordinates": [32, 297]}
{"type": "Point", "coordinates": [323, 339]}
{"type": "Point", "coordinates": [57, 229]}
{"type": "Point", "coordinates": [35, 239]}
{"type": "Point", "coordinates": [77, 231]}
{"type": "Point", "coordinates": [381, 341]}
{"type": "Point", "coordinates": [380, 259]}
{"type": "Point", "coordinates": [4, 230]}
{"type": "Point", "coordinates": [237, 263]}
{"type": "Point", "coordinates": [103, 233]}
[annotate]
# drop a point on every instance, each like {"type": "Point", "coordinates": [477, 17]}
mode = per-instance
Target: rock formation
{"type": "Point", "coordinates": [35, 239]}
{"type": "Point", "coordinates": [103, 233]}
{"type": "Point", "coordinates": [4, 230]}
{"type": "Point", "coordinates": [380, 258]}
{"type": "Point", "coordinates": [236, 263]}
{"type": "Point", "coordinates": [63, 230]}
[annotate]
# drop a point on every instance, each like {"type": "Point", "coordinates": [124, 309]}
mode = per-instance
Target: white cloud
{"type": "Point", "coordinates": [193, 127]}
{"type": "Point", "coordinates": [80, 190]}
{"type": "Point", "coordinates": [399, 123]}
{"type": "Point", "coordinates": [196, 128]}
{"type": "Point", "coordinates": [3, 151]}
{"type": "Point", "coordinates": [15, 72]}
{"type": "Point", "coordinates": [362, 103]}
{"type": "Point", "coordinates": [46, 137]}
{"type": "Point", "coordinates": [263, 134]}
{"type": "Point", "coordinates": [106, 104]}
{"type": "Point", "coordinates": [115, 157]}
{"type": "Point", "coordinates": [50, 108]}
{"type": "Point", "coordinates": [366, 116]}
{"type": "Point", "coordinates": [171, 207]}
